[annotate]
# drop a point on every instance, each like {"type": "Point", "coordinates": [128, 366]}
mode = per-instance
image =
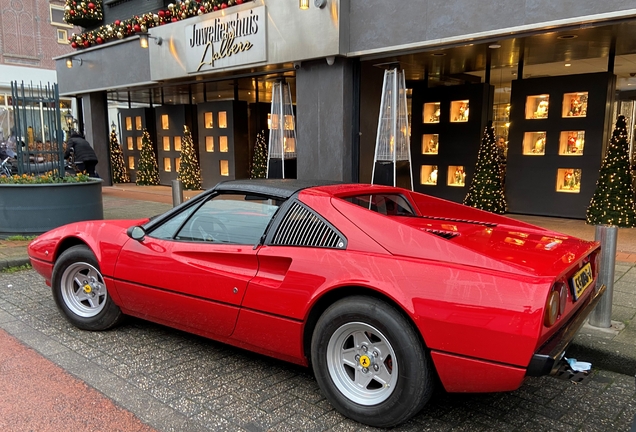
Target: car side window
{"type": "Point", "coordinates": [168, 229]}
{"type": "Point", "coordinates": [230, 218]}
{"type": "Point", "coordinates": [386, 204]}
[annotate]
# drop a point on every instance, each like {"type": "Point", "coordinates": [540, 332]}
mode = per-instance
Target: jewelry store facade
{"type": "Point", "coordinates": [552, 81]}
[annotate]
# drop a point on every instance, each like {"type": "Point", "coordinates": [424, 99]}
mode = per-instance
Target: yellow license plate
{"type": "Point", "coordinates": [581, 280]}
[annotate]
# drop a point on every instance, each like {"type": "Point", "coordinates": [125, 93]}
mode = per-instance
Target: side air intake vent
{"type": "Point", "coordinates": [444, 234]}
{"type": "Point", "coordinates": [302, 227]}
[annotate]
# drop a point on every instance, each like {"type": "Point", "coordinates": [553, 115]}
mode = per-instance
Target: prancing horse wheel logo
{"type": "Point", "coordinates": [365, 361]}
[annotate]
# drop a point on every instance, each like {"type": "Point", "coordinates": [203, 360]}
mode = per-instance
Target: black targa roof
{"type": "Point", "coordinates": [281, 188]}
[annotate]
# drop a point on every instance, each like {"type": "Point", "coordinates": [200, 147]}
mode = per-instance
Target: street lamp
{"type": "Point", "coordinates": [69, 120]}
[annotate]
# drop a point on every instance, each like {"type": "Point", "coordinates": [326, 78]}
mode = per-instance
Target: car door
{"type": "Point", "coordinates": [192, 270]}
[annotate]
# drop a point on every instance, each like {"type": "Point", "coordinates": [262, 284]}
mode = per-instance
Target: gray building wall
{"type": "Point", "coordinates": [379, 24]}
{"type": "Point", "coordinates": [324, 97]}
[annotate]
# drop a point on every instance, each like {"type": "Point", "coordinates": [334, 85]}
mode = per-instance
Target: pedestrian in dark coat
{"type": "Point", "coordinates": [84, 156]}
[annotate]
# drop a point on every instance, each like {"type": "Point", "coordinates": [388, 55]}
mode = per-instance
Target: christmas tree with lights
{"type": "Point", "coordinates": [117, 159]}
{"type": "Point", "coordinates": [259, 159]}
{"type": "Point", "coordinates": [147, 169]}
{"type": "Point", "coordinates": [613, 200]}
{"type": "Point", "coordinates": [486, 190]}
{"type": "Point", "coordinates": [189, 170]}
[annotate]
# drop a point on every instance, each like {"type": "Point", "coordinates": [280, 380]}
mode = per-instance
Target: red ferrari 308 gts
{"type": "Point", "coordinates": [377, 288]}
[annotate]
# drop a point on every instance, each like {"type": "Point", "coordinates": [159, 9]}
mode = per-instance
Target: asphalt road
{"type": "Point", "coordinates": [172, 381]}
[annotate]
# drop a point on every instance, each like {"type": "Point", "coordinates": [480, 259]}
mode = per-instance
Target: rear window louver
{"type": "Point", "coordinates": [444, 234]}
{"type": "Point", "coordinates": [302, 227]}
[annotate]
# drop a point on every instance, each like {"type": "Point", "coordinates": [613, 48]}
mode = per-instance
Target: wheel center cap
{"type": "Point", "coordinates": [88, 289]}
{"type": "Point", "coordinates": [365, 361]}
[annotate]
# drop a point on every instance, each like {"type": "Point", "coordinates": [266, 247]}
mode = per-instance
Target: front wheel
{"type": "Point", "coordinates": [369, 362]}
{"type": "Point", "coordinates": [80, 292]}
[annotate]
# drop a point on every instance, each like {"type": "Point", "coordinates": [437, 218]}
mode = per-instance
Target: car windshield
{"type": "Point", "coordinates": [386, 204]}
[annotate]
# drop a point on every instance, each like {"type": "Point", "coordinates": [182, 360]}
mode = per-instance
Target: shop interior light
{"type": "Point", "coordinates": [494, 46]}
{"type": "Point", "coordinates": [568, 64]}
{"type": "Point", "coordinates": [70, 60]}
{"type": "Point", "coordinates": [143, 39]}
{"type": "Point", "coordinates": [304, 4]}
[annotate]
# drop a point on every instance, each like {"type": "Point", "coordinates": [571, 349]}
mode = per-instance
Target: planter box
{"type": "Point", "coordinates": [37, 208]}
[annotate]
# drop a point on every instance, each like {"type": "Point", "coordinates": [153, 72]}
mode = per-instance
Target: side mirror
{"type": "Point", "coordinates": [136, 233]}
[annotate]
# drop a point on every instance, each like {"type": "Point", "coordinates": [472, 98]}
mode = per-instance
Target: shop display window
{"type": "Point", "coordinates": [209, 120]}
{"type": "Point", "coordinates": [209, 144]}
{"type": "Point", "coordinates": [129, 123]}
{"type": "Point", "coordinates": [568, 180]}
{"type": "Point", "coordinates": [534, 143]}
{"type": "Point", "coordinates": [270, 121]}
{"type": "Point", "coordinates": [459, 111]}
{"type": "Point", "coordinates": [131, 162]}
{"type": "Point", "coordinates": [537, 106]}
{"type": "Point", "coordinates": [177, 164]}
{"type": "Point", "coordinates": [129, 143]}
{"type": "Point", "coordinates": [166, 143]}
{"type": "Point", "coordinates": [165, 122]}
{"type": "Point", "coordinates": [222, 119]}
{"type": "Point", "coordinates": [289, 145]}
{"type": "Point", "coordinates": [223, 147]}
{"type": "Point", "coordinates": [177, 143]}
{"type": "Point", "coordinates": [224, 167]}
{"type": "Point", "coordinates": [571, 143]}
{"type": "Point", "coordinates": [431, 112]}
{"type": "Point", "coordinates": [167, 164]}
{"type": "Point", "coordinates": [575, 104]}
{"type": "Point", "coordinates": [456, 176]}
{"type": "Point", "coordinates": [430, 143]}
{"type": "Point", "coordinates": [139, 143]}
{"type": "Point", "coordinates": [138, 123]}
{"type": "Point", "coordinates": [428, 175]}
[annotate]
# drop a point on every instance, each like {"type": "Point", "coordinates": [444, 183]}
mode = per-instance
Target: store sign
{"type": "Point", "coordinates": [227, 41]}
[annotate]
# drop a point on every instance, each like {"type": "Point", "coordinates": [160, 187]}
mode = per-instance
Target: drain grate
{"type": "Point", "coordinates": [565, 373]}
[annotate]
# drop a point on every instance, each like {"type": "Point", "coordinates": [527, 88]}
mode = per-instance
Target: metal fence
{"type": "Point", "coordinates": [38, 130]}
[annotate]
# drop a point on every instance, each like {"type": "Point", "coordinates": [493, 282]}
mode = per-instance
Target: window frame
{"type": "Point", "coordinates": [56, 23]}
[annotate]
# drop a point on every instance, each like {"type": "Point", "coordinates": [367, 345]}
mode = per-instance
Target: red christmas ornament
{"type": "Point", "coordinates": [202, 9]}
{"type": "Point", "coordinates": [216, 8]}
{"type": "Point", "coordinates": [238, 2]}
{"type": "Point", "coordinates": [84, 11]}
{"type": "Point", "coordinates": [74, 3]}
{"type": "Point", "coordinates": [128, 27]}
{"type": "Point", "coordinates": [117, 22]}
{"type": "Point", "coordinates": [91, 6]}
{"type": "Point", "coordinates": [161, 13]}
{"type": "Point", "coordinates": [137, 28]}
{"type": "Point", "coordinates": [73, 44]}
{"type": "Point", "coordinates": [223, 5]}
{"type": "Point", "coordinates": [100, 40]}
{"type": "Point", "coordinates": [86, 44]}
{"type": "Point", "coordinates": [175, 19]}
{"type": "Point", "coordinates": [72, 12]}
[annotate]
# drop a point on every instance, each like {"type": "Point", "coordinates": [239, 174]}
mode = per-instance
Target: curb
{"type": "Point", "coordinates": [14, 262]}
{"type": "Point", "coordinates": [608, 357]}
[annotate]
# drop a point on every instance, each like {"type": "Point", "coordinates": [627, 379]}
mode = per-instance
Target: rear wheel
{"type": "Point", "coordinates": [370, 362]}
{"type": "Point", "coordinates": [80, 292]}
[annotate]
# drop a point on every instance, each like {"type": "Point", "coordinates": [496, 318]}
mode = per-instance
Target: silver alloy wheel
{"type": "Point", "coordinates": [362, 363]}
{"type": "Point", "coordinates": [83, 289]}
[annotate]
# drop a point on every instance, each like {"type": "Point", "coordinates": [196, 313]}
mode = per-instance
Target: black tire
{"type": "Point", "coordinates": [87, 306]}
{"type": "Point", "coordinates": [394, 353]}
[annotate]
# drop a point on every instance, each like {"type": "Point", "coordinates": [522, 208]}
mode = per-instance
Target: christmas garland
{"type": "Point", "coordinates": [83, 13]}
{"type": "Point", "coordinates": [141, 23]}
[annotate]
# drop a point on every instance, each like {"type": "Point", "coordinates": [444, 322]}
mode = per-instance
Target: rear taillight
{"type": "Point", "coordinates": [552, 308]}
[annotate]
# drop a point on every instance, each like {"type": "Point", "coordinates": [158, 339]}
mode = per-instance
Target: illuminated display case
{"type": "Point", "coordinates": [428, 175]}
{"type": "Point", "coordinates": [456, 176]}
{"type": "Point", "coordinates": [432, 112]}
{"type": "Point", "coordinates": [534, 143]}
{"type": "Point", "coordinates": [575, 104]}
{"type": "Point", "coordinates": [572, 143]}
{"type": "Point", "coordinates": [430, 143]}
{"type": "Point", "coordinates": [459, 111]}
{"type": "Point", "coordinates": [537, 107]}
{"type": "Point", "coordinates": [563, 120]}
{"type": "Point", "coordinates": [170, 121]}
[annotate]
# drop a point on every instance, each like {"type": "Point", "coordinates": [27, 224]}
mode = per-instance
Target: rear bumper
{"type": "Point", "coordinates": [545, 360]}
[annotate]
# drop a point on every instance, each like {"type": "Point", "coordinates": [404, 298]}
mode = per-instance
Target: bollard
{"type": "Point", "coordinates": [177, 192]}
{"type": "Point", "coordinates": [601, 316]}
